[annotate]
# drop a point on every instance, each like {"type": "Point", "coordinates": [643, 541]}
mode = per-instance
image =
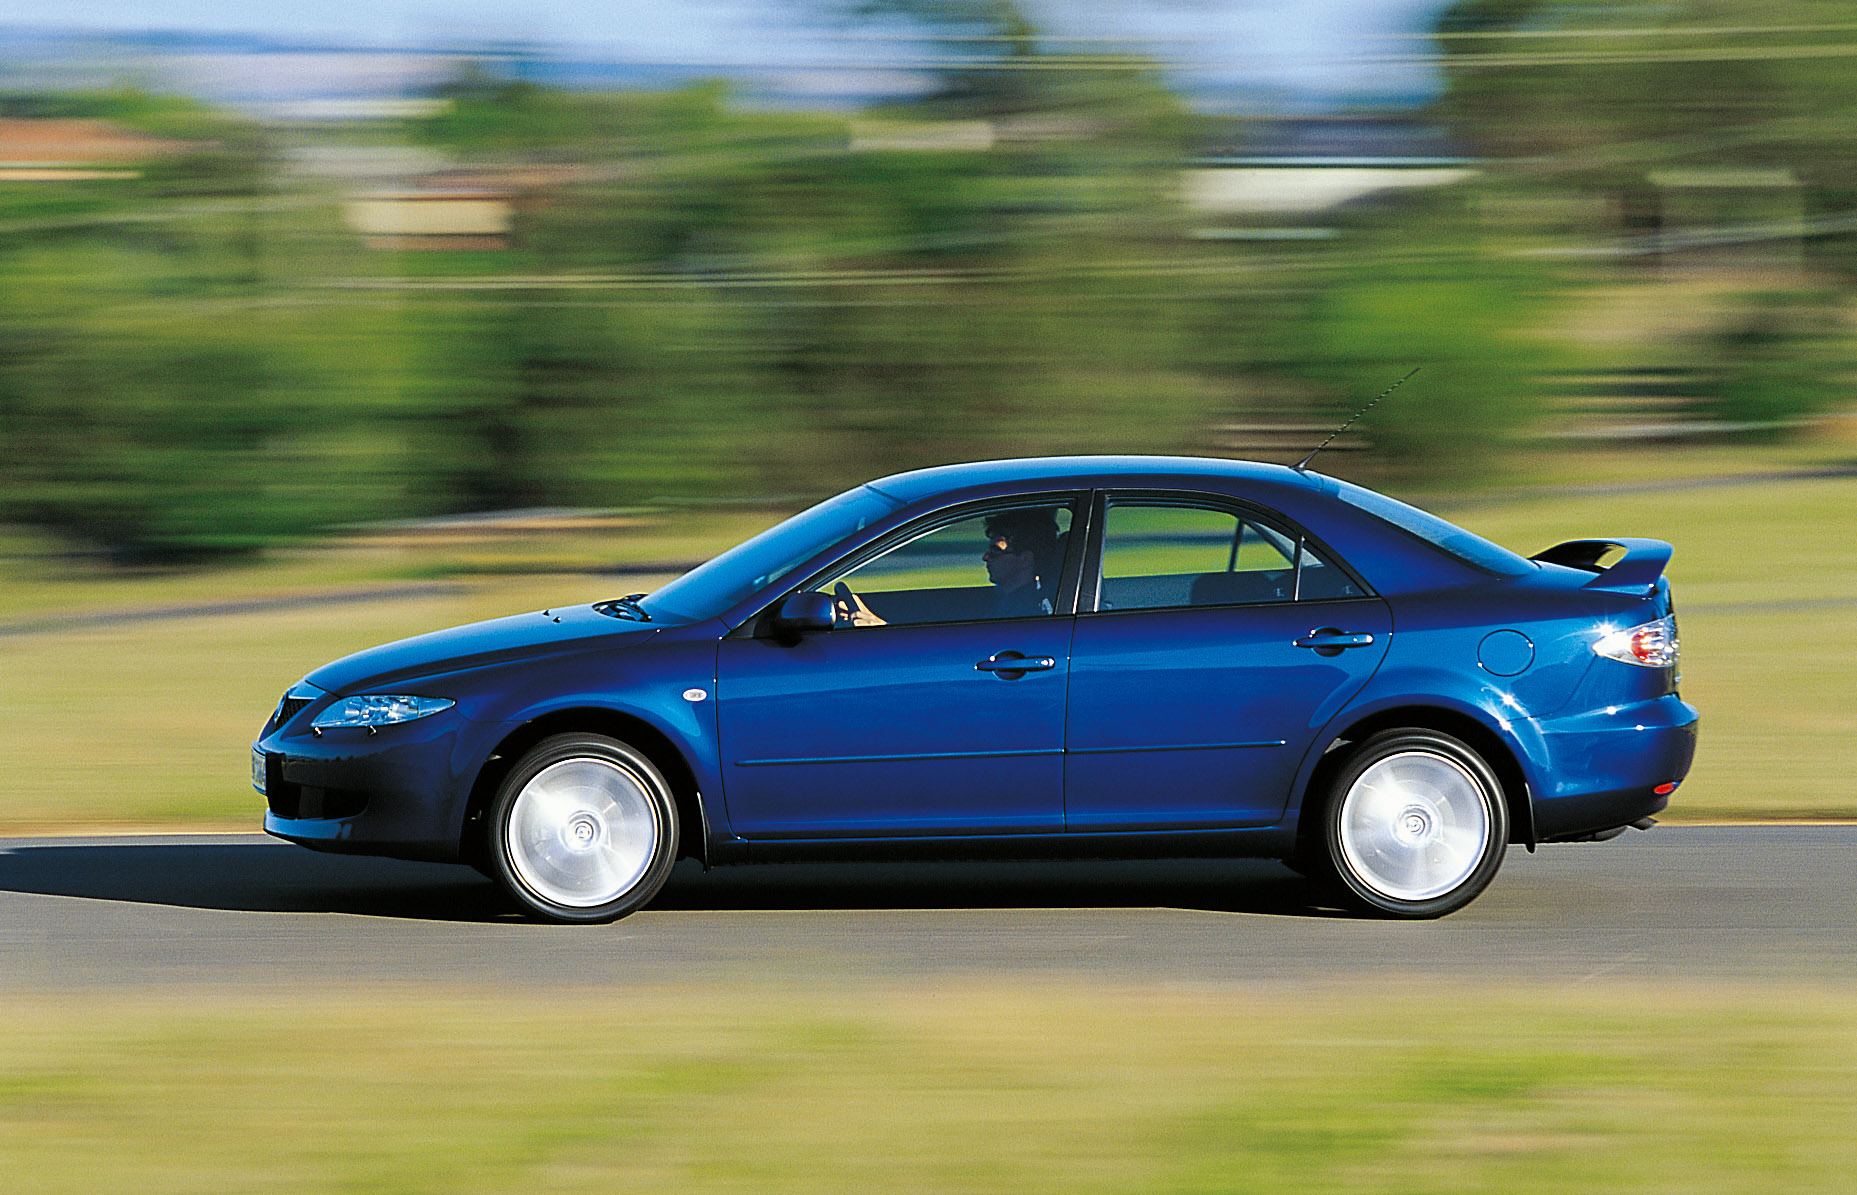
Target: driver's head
{"type": "Point", "coordinates": [1020, 546]}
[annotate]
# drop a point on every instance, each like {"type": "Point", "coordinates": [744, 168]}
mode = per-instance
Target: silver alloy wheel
{"type": "Point", "coordinates": [1415, 825]}
{"type": "Point", "coordinates": [583, 832]}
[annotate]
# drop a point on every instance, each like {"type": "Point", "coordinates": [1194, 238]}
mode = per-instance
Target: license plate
{"type": "Point", "coordinates": [257, 768]}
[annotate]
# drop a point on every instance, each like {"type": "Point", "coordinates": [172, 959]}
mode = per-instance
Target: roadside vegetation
{"type": "Point", "coordinates": [203, 358]}
{"type": "Point", "coordinates": [957, 1085]}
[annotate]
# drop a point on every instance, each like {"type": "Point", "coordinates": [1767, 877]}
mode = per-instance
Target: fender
{"type": "Point", "coordinates": [653, 683]}
{"type": "Point", "coordinates": [1514, 729]}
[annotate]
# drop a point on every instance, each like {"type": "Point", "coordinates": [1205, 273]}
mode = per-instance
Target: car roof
{"type": "Point", "coordinates": [1087, 471]}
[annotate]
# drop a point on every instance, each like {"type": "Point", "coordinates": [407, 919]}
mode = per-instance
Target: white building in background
{"type": "Point", "coordinates": [1296, 186]}
{"type": "Point", "coordinates": [1271, 179]}
{"type": "Point", "coordinates": [432, 219]}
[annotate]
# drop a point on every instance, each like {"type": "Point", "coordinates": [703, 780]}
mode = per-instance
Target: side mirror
{"type": "Point", "coordinates": [802, 612]}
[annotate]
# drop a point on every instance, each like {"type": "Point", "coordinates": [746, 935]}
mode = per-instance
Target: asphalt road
{"type": "Point", "coordinates": [1673, 904]}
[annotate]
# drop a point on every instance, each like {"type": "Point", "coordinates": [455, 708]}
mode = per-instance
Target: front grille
{"type": "Point", "coordinates": [287, 709]}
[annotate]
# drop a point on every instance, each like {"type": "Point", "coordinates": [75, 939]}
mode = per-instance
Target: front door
{"type": "Point", "coordinates": [935, 706]}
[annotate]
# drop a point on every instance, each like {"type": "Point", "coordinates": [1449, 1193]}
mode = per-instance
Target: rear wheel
{"type": "Point", "coordinates": [1414, 826]}
{"type": "Point", "coordinates": [583, 829]}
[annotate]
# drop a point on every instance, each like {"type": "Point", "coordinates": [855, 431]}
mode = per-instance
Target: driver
{"type": "Point", "coordinates": [1021, 547]}
{"type": "Point", "coordinates": [1021, 562]}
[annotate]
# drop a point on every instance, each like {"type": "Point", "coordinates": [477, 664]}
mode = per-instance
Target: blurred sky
{"type": "Point", "coordinates": [1297, 53]}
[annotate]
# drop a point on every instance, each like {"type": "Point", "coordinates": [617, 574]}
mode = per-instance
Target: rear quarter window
{"type": "Point", "coordinates": [1447, 537]}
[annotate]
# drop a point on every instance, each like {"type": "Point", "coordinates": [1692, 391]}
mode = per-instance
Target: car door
{"type": "Point", "coordinates": [935, 705]}
{"type": "Point", "coordinates": [1212, 640]}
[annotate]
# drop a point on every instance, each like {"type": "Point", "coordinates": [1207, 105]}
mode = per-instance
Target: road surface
{"type": "Point", "coordinates": [1673, 904]}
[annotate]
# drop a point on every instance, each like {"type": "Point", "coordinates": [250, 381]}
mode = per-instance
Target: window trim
{"type": "Point", "coordinates": [1089, 595]}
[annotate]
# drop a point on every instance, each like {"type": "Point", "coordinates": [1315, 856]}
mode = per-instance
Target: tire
{"type": "Point", "coordinates": [1414, 825]}
{"type": "Point", "coordinates": [583, 829]}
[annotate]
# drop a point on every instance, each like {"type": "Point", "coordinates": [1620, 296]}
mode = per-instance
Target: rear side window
{"type": "Point", "coordinates": [1159, 555]}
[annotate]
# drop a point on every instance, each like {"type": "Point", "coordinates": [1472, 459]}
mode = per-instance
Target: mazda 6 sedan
{"type": "Point", "coordinates": [1095, 656]}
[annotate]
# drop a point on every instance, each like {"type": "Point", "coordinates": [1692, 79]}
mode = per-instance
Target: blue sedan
{"type": "Point", "coordinates": [1091, 656]}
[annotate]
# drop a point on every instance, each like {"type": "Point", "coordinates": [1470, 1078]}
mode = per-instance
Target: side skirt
{"type": "Point", "coordinates": [1270, 842]}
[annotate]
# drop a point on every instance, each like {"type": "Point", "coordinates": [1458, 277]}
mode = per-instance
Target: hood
{"type": "Point", "coordinates": [517, 637]}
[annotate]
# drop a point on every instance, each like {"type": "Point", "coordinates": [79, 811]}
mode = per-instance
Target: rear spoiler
{"type": "Point", "coordinates": [1638, 569]}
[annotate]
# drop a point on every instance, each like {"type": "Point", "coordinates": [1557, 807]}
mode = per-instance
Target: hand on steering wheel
{"type": "Point", "coordinates": [852, 609]}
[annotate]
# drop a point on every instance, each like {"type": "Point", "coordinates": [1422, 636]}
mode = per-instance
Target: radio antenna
{"type": "Point", "coordinates": [1304, 462]}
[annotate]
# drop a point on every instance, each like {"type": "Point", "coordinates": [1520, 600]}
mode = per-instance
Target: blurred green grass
{"type": "Point", "coordinates": [146, 722]}
{"type": "Point", "coordinates": [954, 1085]}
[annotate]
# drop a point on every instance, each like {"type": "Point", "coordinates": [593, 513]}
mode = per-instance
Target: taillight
{"type": "Point", "coordinates": [1650, 645]}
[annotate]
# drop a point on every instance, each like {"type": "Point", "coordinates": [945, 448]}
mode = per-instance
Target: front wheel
{"type": "Point", "coordinates": [1414, 826]}
{"type": "Point", "coordinates": [583, 829]}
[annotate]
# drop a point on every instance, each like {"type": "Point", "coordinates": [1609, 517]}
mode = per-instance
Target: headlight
{"type": "Point", "coordinates": [1651, 645]}
{"type": "Point", "coordinates": [377, 709]}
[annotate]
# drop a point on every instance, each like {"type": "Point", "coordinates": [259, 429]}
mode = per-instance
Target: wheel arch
{"type": "Point", "coordinates": [1466, 728]}
{"type": "Point", "coordinates": [657, 747]}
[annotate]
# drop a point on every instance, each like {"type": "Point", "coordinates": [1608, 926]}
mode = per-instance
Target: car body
{"type": "Point", "coordinates": [1217, 657]}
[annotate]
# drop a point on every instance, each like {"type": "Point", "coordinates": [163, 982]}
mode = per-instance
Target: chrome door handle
{"type": "Point", "coordinates": [1011, 663]}
{"type": "Point", "coordinates": [1332, 641]}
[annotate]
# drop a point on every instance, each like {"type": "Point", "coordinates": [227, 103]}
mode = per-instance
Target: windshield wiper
{"type": "Point", "coordinates": [625, 607]}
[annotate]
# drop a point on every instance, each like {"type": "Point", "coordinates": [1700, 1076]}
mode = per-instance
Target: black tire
{"type": "Point", "coordinates": [583, 829]}
{"type": "Point", "coordinates": [1413, 824]}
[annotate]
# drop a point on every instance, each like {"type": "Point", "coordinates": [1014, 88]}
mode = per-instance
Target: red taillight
{"type": "Point", "coordinates": [1664, 790]}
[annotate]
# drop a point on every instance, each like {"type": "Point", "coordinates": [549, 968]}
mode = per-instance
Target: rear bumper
{"type": "Point", "coordinates": [1603, 768]}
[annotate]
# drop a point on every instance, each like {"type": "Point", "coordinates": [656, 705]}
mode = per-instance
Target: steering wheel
{"type": "Point", "coordinates": [847, 601]}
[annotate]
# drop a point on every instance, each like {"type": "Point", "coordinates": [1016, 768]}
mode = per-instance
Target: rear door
{"type": "Point", "coordinates": [1212, 641]}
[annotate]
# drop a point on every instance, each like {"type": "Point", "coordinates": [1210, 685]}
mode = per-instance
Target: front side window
{"type": "Point", "coordinates": [1002, 562]}
{"type": "Point", "coordinates": [1159, 555]}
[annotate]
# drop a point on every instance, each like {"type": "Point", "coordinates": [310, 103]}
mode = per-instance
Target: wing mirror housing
{"type": "Point", "coordinates": [803, 612]}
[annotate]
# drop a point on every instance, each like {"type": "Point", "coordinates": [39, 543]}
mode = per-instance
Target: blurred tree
{"type": "Point", "coordinates": [154, 403]}
{"type": "Point", "coordinates": [927, 303]}
{"type": "Point", "coordinates": [1416, 284]}
{"type": "Point", "coordinates": [167, 440]}
{"type": "Point", "coordinates": [1755, 106]}
{"type": "Point", "coordinates": [539, 396]}
{"type": "Point", "coordinates": [705, 299]}
{"type": "Point", "coordinates": [1782, 357]}
{"type": "Point", "coordinates": [1598, 93]}
{"type": "Point", "coordinates": [991, 51]}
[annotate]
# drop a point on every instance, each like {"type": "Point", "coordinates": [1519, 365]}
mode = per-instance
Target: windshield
{"type": "Point", "coordinates": [1467, 546]}
{"type": "Point", "coordinates": [709, 589]}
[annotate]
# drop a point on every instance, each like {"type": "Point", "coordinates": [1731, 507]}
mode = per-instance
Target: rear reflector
{"type": "Point", "coordinates": [1664, 790]}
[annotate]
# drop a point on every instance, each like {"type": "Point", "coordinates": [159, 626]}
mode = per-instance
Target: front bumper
{"type": "Point", "coordinates": [400, 792]}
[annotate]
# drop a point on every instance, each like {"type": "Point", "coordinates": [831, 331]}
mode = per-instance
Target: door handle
{"type": "Point", "coordinates": [1010, 664]}
{"type": "Point", "coordinates": [1332, 641]}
